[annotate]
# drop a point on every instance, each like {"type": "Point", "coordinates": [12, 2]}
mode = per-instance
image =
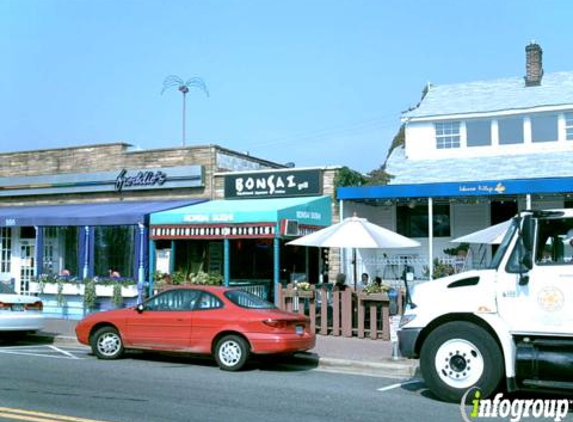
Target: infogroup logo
{"type": "Point", "coordinates": [514, 410]}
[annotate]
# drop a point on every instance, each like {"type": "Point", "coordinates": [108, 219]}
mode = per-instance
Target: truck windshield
{"type": "Point", "coordinates": [504, 245]}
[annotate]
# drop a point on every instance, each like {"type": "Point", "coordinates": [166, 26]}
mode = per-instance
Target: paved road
{"type": "Point", "coordinates": [67, 381]}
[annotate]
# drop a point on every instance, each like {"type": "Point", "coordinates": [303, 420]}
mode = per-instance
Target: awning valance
{"type": "Point", "coordinates": [490, 188]}
{"type": "Point", "coordinates": [94, 214]}
{"type": "Point", "coordinates": [312, 211]}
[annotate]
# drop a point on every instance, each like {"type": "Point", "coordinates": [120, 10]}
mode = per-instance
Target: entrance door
{"type": "Point", "coordinates": [27, 264]}
{"type": "Point", "coordinates": [6, 254]}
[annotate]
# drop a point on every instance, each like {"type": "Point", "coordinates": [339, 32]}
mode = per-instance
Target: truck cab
{"type": "Point", "coordinates": [509, 325]}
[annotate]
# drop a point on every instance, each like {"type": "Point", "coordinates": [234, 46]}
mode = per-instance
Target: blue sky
{"type": "Point", "coordinates": [309, 81]}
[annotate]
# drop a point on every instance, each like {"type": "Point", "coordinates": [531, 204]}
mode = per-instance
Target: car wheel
{"type": "Point", "coordinates": [107, 343]}
{"type": "Point", "coordinates": [231, 353]}
{"type": "Point", "coordinates": [458, 356]}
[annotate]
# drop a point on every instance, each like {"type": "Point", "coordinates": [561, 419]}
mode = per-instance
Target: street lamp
{"type": "Point", "coordinates": [183, 87]}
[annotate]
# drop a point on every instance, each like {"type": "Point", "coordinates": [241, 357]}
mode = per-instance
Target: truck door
{"type": "Point", "coordinates": [543, 304]}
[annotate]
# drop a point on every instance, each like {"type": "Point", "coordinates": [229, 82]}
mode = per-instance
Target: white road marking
{"type": "Point", "coordinates": [57, 349]}
{"type": "Point", "coordinates": [394, 386]}
{"type": "Point", "coordinates": [45, 352]}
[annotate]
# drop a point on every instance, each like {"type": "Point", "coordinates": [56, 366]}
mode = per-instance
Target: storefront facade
{"type": "Point", "coordinates": [83, 212]}
{"type": "Point", "coordinates": [474, 154]}
{"type": "Point", "coordinates": [243, 235]}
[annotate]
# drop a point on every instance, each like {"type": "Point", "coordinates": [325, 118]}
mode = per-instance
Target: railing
{"type": "Point", "coordinates": [392, 269]}
{"type": "Point", "coordinates": [258, 288]}
{"type": "Point", "coordinates": [346, 313]}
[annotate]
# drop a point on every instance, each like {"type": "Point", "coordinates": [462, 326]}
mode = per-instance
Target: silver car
{"type": "Point", "coordinates": [19, 313]}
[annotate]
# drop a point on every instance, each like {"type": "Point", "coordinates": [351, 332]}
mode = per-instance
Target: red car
{"type": "Point", "coordinates": [227, 323]}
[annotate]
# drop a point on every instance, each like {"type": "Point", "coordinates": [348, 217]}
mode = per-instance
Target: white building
{"type": "Point", "coordinates": [474, 154]}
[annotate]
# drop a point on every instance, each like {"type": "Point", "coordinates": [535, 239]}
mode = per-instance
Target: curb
{"type": "Point", "coordinates": [402, 368]}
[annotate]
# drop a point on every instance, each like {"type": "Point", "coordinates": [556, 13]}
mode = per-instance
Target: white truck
{"type": "Point", "coordinates": [511, 323]}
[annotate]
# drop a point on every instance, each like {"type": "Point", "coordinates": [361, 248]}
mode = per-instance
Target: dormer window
{"type": "Point", "coordinates": [478, 133]}
{"type": "Point", "coordinates": [447, 135]}
{"type": "Point", "coordinates": [569, 126]}
{"type": "Point", "coordinates": [544, 127]}
{"type": "Point", "coordinates": [510, 130]}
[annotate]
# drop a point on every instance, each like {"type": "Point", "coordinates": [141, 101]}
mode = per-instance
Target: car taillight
{"type": "Point", "coordinates": [276, 323]}
{"type": "Point", "coordinates": [36, 306]}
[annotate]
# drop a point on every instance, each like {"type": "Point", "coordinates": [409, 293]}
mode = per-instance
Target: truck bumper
{"type": "Point", "coordinates": [407, 338]}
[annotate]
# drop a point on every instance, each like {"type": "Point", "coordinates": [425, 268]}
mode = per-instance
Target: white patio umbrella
{"type": "Point", "coordinates": [354, 232]}
{"type": "Point", "coordinates": [491, 235]}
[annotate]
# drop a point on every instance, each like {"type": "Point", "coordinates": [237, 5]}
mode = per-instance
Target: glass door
{"type": "Point", "coordinates": [27, 264]}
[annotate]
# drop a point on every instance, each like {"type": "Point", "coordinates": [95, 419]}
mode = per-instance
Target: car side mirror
{"type": "Point", "coordinates": [140, 308]}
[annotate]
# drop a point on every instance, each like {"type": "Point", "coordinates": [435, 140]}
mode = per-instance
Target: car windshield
{"type": "Point", "coordinates": [5, 289]}
{"type": "Point", "coordinates": [247, 300]}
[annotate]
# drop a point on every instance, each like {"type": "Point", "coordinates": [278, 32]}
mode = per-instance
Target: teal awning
{"type": "Point", "coordinates": [312, 211]}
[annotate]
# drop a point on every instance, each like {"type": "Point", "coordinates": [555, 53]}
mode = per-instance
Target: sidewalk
{"type": "Point", "coordinates": [353, 355]}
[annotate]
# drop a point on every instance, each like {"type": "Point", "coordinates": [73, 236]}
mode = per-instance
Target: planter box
{"type": "Point", "coordinates": [77, 289]}
{"type": "Point", "coordinates": [305, 294]}
{"type": "Point", "coordinates": [378, 297]}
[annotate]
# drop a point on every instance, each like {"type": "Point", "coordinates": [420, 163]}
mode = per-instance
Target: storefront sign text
{"type": "Point", "coordinates": [141, 178]}
{"type": "Point", "coordinates": [273, 184]}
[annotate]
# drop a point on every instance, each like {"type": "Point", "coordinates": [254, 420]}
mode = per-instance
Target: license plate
{"type": "Point", "coordinates": [17, 307]}
{"type": "Point", "coordinates": [299, 329]}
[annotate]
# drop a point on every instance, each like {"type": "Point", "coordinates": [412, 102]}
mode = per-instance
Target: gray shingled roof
{"type": "Point", "coordinates": [495, 95]}
{"type": "Point", "coordinates": [501, 167]}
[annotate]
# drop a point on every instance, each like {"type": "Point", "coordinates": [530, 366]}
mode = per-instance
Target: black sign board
{"type": "Point", "coordinates": [273, 184]}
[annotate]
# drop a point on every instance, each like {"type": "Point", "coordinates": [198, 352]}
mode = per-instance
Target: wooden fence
{"type": "Point", "coordinates": [346, 313]}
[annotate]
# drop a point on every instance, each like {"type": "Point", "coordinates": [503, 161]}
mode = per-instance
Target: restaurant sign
{"type": "Point", "coordinates": [110, 181]}
{"type": "Point", "coordinates": [273, 184]}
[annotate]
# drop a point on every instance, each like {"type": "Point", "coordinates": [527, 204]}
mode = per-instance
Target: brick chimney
{"type": "Point", "coordinates": [533, 64]}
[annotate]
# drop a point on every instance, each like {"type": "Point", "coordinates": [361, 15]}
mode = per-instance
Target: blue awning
{"type": "Point", "coordinates": [460, 189]}
{"type": "Point", "coordinates": [315, 211]}
{"type": "Point", "coordinates": [95, 214]}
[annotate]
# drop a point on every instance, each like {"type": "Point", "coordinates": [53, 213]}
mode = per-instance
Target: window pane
{"type": "Point", "coordinates": [447, 135]}
{"type": "Point", "coordinates": [569, 126]}
{"type": "Point", "coordinates": [114, 250]}
{"type": "Point", "coordinates": [5, 249]}
{"type": "Point", "coordinates": [555, 242]}
{"type": "Point", "coordinates": [413, 222]}
{"type": "Point", "coordinates": [544, 128]}
{"type": "Point", "coordinates": [510, 131]}
{"type": "Point", "coordinates": [478, 132]}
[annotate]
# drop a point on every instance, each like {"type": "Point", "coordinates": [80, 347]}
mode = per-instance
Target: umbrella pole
{"type": "Point", "coordinates": [354, 266]}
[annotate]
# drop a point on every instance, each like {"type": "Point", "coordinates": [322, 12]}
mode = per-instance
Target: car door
{"type": "Point", "coordinates": [165, 322]}
{"type": "Point", "coordinates": [208, 319]}
{"type": "Point", "coordinates": [542, 303]}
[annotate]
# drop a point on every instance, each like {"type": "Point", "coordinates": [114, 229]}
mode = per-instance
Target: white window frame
{"type": "Point", "coordinates": [448, 134]}
{"type": "Point", "coordinates": [568, 126]}
{"type": "Point", "coordinates": [5, 249]}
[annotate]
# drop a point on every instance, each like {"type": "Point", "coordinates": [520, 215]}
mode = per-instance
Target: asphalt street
{"type": "Point", "coordinates": [43, 382]}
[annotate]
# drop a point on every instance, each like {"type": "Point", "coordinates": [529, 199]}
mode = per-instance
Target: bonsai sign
{"type": "Point", "coordinates": [277, 184]}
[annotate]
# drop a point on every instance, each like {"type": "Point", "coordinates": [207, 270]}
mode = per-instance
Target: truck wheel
{"type": "Point", "coordinates": [458, 356]}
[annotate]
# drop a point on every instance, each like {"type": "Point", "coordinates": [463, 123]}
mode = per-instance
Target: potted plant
{"type": "Point", "coordinates": [303, 290]}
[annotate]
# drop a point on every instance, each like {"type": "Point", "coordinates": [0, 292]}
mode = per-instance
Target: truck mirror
{"type": "Point", "coordinates": [527, 233]}
{"type": "Point", "coordinates": [527, 261]}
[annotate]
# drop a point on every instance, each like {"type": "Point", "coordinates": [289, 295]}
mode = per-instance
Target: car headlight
{"type": "Point", "coordinates": [406, 319]}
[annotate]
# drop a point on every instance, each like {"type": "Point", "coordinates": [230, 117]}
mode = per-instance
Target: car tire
{"type": "Point", "coordinates": [231, 352]}
{"type": "Point", "coordinates": [107, 344]}
{"type": "Point", "coordinates": [459, 356]}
